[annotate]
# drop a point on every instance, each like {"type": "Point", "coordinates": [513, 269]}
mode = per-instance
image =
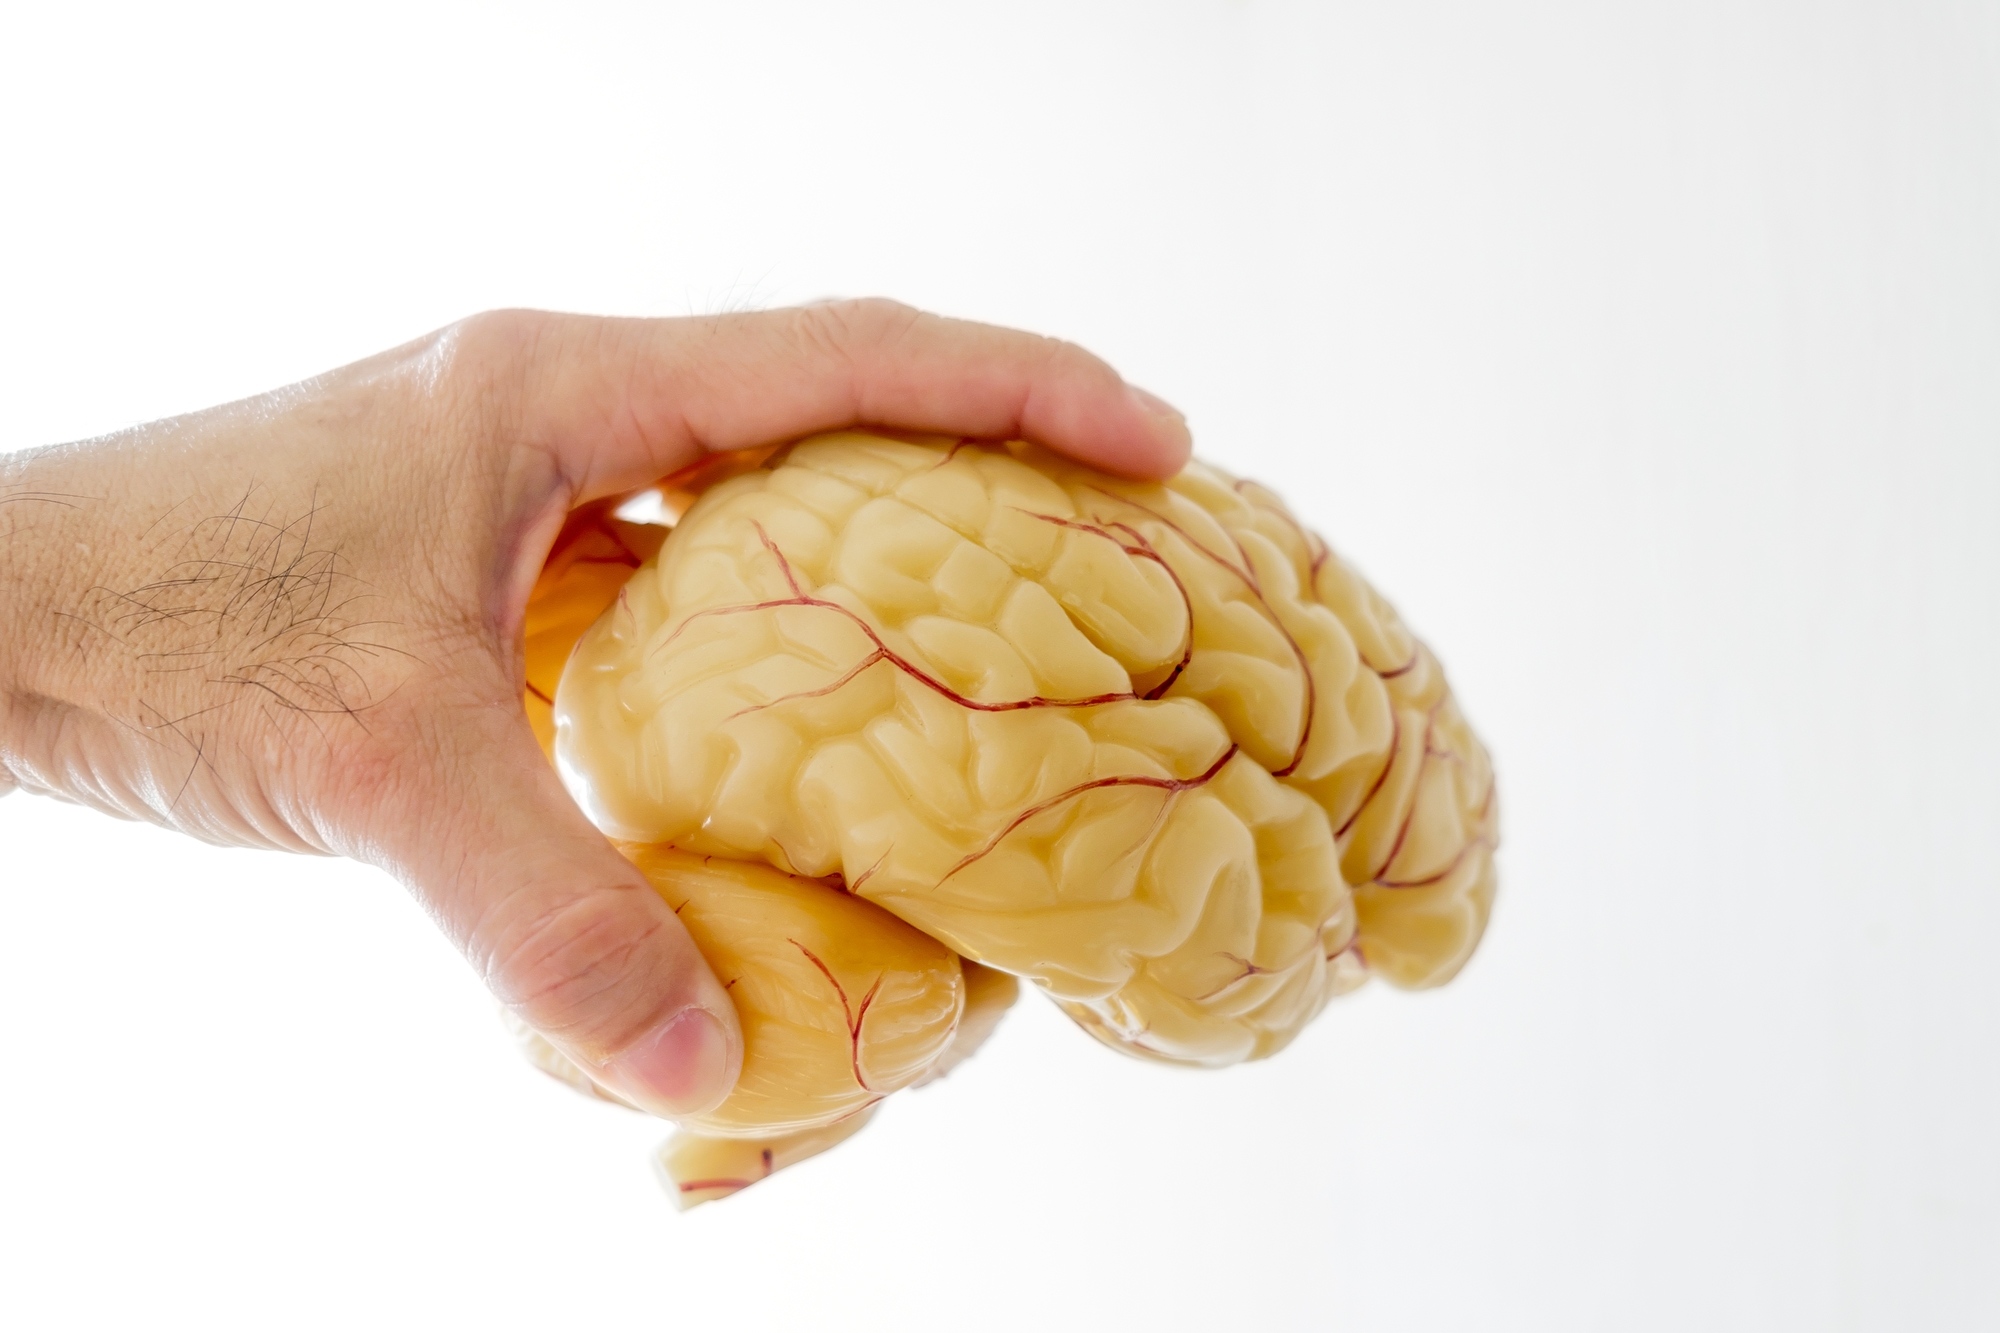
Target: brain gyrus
{"type": "Point", "coordinates": [893, 722]}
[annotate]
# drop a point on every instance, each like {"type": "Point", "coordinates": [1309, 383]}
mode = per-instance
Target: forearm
{"type": "Point", "coordinates": [69, 517]}
{"type": "Point", "coordinates": [150, 584]}
{"type": "Point", "coordinates": [43, 519]}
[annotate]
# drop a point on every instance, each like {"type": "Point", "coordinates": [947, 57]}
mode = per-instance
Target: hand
{"type": "Point", "coordinates": [296, 621]}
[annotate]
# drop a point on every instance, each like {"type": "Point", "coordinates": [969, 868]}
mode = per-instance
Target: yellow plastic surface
{"type": "Point", "coordinates": [1150, 746]}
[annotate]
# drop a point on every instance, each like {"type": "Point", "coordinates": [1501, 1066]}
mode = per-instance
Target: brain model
{"type": "Point", "coordinates": [893, 722]}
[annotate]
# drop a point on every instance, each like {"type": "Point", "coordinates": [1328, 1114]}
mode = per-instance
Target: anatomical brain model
{"type": "Point", "coordinates": [893, 722]}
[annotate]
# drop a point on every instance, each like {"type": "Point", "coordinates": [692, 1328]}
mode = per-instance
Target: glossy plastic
{"type": "Point", "coordinates": [1150, 746]}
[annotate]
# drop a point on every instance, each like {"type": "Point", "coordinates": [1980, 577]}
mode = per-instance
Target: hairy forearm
{"type": "Point", "coordinates": [45, 532]}
{"type": "Point", "coordinates": [74, 681]}
{"type": "Point", "coordinates": [183, 612]}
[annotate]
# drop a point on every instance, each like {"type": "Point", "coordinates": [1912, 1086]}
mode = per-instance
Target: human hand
{"type": "Point", "coordinates": [295, 621]}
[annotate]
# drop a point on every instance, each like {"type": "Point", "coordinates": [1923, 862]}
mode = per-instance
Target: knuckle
{"type": "Point", "coordinates": [859, 322]}
{"type": "Point", "coordinates": [491, 351]}
{"type": "Point", "coordinates": [877, 313]}
{"type": "Point", "coordinates": [498, 332]}
{"type": "Point", "coordinates": [1059, 354]}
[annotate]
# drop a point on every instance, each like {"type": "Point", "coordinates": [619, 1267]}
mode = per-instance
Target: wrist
{"type": "Point", "coordinates": [50, 551]}
{"type": "Point", "coordinates": [27, 509]}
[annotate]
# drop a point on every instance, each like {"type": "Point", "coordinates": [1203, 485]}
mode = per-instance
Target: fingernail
{"type": "Point", "coordinates": [678, 1069]}
{"type": "Point", "coordinates": [1164, 414]}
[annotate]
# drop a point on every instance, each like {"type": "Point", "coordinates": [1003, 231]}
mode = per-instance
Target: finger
{"type": "Point", "coordinates": [622, 402]}
{"type": "Point", "coordinates": [563, 929]}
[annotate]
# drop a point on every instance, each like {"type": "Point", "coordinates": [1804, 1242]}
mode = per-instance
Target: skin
{"type": "Point", "coordinates": [295, 621]}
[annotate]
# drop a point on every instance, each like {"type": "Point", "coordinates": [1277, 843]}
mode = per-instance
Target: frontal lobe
{"type": "Point", "coordinates": [1133, 742]}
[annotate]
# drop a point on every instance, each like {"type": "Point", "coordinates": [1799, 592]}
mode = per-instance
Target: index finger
{"type": "Point", "coordinates": [622, 402]}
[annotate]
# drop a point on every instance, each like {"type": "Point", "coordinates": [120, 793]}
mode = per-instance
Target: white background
{"type": "Point", "coordinates": [1649, 357]}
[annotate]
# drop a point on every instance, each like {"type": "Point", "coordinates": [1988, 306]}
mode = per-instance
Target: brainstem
{"type": "Point", "coordinates": [1151, 746]}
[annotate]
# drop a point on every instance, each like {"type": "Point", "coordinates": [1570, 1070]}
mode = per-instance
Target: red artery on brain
{"type": "Point", "coordinates": [1248, 575]}
{"type": "Point", "coordinates": [1138, 548]}
{"type": "Point", "coordinates": [882, 653]}
{"type": "Point", "coordinates": [855, 1017]}
{"type": "Point", "coordinates": [1312, 933]}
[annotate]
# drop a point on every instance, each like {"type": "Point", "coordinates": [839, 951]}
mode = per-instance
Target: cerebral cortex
{"type": "Point", "coordinates": [891, 722]}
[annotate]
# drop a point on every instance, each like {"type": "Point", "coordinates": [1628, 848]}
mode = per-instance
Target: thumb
{"type": "Point", "coordinates": [564, 930]}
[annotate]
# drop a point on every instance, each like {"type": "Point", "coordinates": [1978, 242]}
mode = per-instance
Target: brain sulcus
{"type": "Point", "coordinates": [891, 722]}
